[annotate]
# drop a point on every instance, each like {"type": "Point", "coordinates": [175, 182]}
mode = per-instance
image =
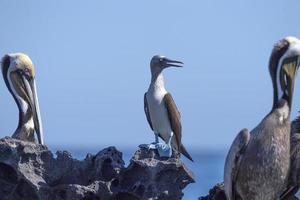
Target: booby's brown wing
{"type": "Point", "coordinates": [174, 117]}
{"type": "Point", "coordinates": [146, 109]}
{"type": "Point", "coordinates": [233, 161]}
{"type": "Point", "coordinates": [175, 121]}
{"type": "Point", "coordinates": [294, 176]}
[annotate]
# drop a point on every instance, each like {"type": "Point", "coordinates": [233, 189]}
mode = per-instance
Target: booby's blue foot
{"type": "Point", "coordinates": [153, 145]}
{"type": "Point", "coordinates": [164, 150]}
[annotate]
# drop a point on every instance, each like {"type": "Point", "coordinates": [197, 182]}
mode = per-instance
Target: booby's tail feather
{"type": "Point", "coordinates": [185, 153]}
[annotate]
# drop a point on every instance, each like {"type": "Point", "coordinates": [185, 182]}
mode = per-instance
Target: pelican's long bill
{"type": "Point", "coordinates": [288, 75]}
{"type": "Point", "coordinates": [34, 102]}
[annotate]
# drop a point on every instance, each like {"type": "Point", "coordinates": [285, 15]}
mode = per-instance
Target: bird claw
{"type": "Point", "coordinates": [148, 146]}
{"type": "Point", "coordinates": [163, 149]}
{"type": "Point", "coordinates": [152, 146]}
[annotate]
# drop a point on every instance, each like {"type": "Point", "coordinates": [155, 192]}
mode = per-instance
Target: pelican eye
{"type": "Point", "coordinates": [25, 72]}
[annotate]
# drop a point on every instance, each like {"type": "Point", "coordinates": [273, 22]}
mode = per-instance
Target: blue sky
{"type": "Point", "coordinates": [92, 64]}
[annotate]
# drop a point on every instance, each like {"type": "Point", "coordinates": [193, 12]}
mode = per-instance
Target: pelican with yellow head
{"type": "Point", "coordinates": [19, 76]}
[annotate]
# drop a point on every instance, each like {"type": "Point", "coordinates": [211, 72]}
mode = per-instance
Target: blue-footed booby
{"type": "Point", "coordinates": [161, 111]}
{"type": "Point", "coordinates": [258, 162]}
{"type": "Point", "coordinates": [19, 76]}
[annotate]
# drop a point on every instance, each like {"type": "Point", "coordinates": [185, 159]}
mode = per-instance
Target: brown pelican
{"type": "Point", "coordinates": [293, 182]}
{"type": "Point", "coordinates": [18, 73]}
{"type": "Point", "coordinates": [258, 162]}
{"type": "Point", "coordinates": [161, 111]}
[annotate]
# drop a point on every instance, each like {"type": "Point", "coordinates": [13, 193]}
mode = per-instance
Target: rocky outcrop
{"type": "Point", "coordinates": [31, 171]}
{"type": "Point", "coordinates": [216, 193]}
{"type": "Point", "coordinates": [155, 177]}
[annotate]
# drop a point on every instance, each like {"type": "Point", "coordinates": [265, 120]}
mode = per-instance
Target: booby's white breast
{"type": "Point", "coordinates": [158, 112]}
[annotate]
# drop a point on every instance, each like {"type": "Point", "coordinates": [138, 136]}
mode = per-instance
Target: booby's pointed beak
{"type": "Point", "coordinates": [288, 77]}
{"type": "Point", "coordinates": [172, 63]}
{"type": "Point", "coordinates": [32, 94]}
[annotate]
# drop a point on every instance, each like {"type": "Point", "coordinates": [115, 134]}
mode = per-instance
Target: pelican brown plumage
{"type": "Point", "coordinates": [19, 76]}
{"type": "Point", "coordinates": [293, 182]}
{"type": "Point", "coordinates": [258, 162]}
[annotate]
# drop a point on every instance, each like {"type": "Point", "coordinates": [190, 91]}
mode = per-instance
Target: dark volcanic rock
{"type": "Point", "coordinates": [30, 171]}
{"type": "Point", "coordinates": [216, 193]}
{"type": "Point", "coordinates": [156, 178]}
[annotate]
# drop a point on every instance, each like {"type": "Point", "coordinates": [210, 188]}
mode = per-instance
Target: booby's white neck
{"type": "Point", "coordinates": [157, 80]}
